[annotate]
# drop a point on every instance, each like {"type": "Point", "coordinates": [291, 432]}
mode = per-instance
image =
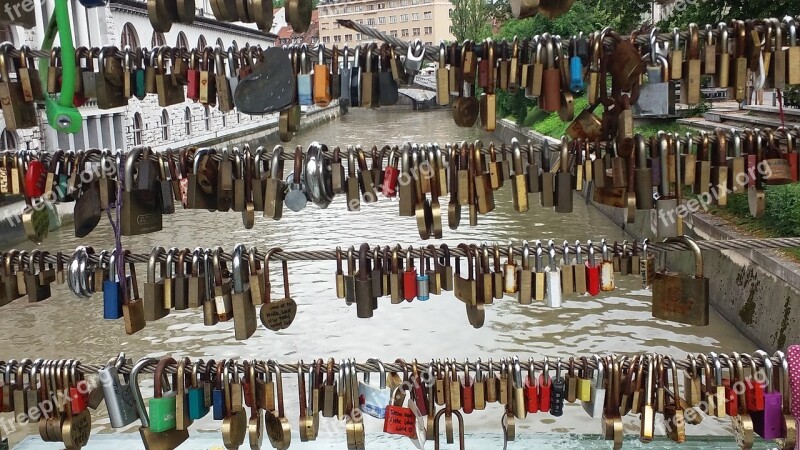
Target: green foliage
{"type": "Point", "coordinates": [715, 11]}
{"type": "Point", "coordinates": [781, 215]}
{"type": "Point", "coordinates": [791, 96]}
{"type": "Point", "coordinates": [515, 105]}
{"type": "Point", "coordinates": [585, 15]}
{"type": "Point", "coordinates": [550, 124]}
{"type": "Point", "coordinates": [468, 20]}
{"type": "Point", "coordinates": [699, 109]}
{"type": "Point", "coordinates": [652, 128]}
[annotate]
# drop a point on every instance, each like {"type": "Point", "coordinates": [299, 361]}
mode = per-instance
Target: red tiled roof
{"type": "Point", "coordinates": [287, 34]}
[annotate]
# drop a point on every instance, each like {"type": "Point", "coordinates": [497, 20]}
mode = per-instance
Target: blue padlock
{"type": "Point", "coordinates": [195, 397]}
{"type": "Point", "coordinates": [423, 288]}
{"type": "Point", "coordinates": [112, 291]}
{"type": "Point", "coordinates": [575, 66]}
{"type": "Point", "coordinates": [218, 394]}
{"type": "Point", "coordinates": [304, 88]}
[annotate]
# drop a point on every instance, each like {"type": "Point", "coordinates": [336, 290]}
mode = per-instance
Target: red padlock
{"type": "Point", "coordinates": [592, 272]}
{"type": "Point", "coordinates": [78, 390]}
{"type": "Point", "coordinates": [391, 175]}
{"type": "Point", "coordinates": [35, 179]}
{"type": "Point", "coordinates": [418, 392]}
{"type": "Point", "coordinates": [531, 390]}
{"type": "Point", "coordinates": [754, 388]}
{"type": "Point", "coordinates": [731, 397]}
{"type": "Point", "coordinates": [545, 386]}
{"type": "Point", "coordinates": [410, 278]}
{"type": "Point", "coordinates": [399, 419]}
{"type": "Point", "coordinates": [193, 78]}
{"type": "Point", "coordinates": [467, 391]}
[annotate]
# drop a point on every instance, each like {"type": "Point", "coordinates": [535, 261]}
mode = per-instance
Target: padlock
{"type": "Point", "coordinates": [564, 180]}
{"type": "Point", "coordinates": [170, 438]}
{"type": "Point", "coordinates": [682, 298]}
{"type": "Point", "coordinates": [112, 292]}
{"type": "Point", "coordinates": [244, 312]}
{"type": "Point", "coordinates": [154, 308]}
{"type": "Point", "coordinates": [592, 271]}
{"type": "Point", "coordinates": [768, 422]}
{"type": "Point", "coordinates": [17, 112]}
{"type": "Point", "coordinates": [690, 84]}
{"type": "Point", "coordinates": [443, 87]}
{"type": "Point", "coordinates": [597, 391]}
{"type": "Point", "coordinates": [141, 212]}
{"type": "Point", "coordinates": [551, 78]}
{"type": "Point", "coordinates": [553, 279]}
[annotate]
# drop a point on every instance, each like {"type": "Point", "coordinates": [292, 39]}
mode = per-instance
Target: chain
{"type": "Point", "coordinates": [403, 366]}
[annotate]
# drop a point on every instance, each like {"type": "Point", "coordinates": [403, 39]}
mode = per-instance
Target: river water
{"type": "Point", "coordinates": [620, 321]}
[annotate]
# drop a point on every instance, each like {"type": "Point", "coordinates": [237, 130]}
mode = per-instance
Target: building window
{"type": "Point", "coordinates": [220, 44]}
{"type": "Point", "coordinates": [450, 12]}
{"type": "Point", "coordinates": [348, 37]}
{"type": "Point", "coordinates": [358, 8]}
{"type": "Point", "coordinates": [129, 36]}
{"type": "Point", "coordinates": [415, 16]}
{"type": "Point", "coordinates": [416, 32]}
{"type": "Point", "coordinates": [360, 21]}
{"type": "Point", "coordinates": [326, 39]}
{"type": "Point", "coordinates": [347, 9]}
{"type": "Point", "coordinates": [428, 30]}
{"type": "Point", "coordinates": [381, 5]}
{"type": "Point", "coordinates": [371, 22]}
{"type": "Point", "coordinates": [137, 129]}
{"type": "Point", "coordinates": [392, 4]}
{"type": "Point", "coordinates": [404, 18]}
{"type": "Point", "coordinates": [392, 19]}
{"type": "Point", "coordinates": [370, 7]}
{"type": "Point", "coordinates": [8, 140]}
{"type": "Point", "coordinates": [157, 39]}
{"type": "Point", "coordinates": [427, 15]}
{"type": "Point", "coordinates": [404, 33]}
{"type": "Point", "coordinates": [358, 36]}
{"type": "Point", "coordinates": [382, 20]}
{"type": "Point", "coordinates": [201, 42]}
{"type": "Point", "coordinates": [337, 38]}
{"type": "Point", "coordinates": [182, 42]}
{"type": "Point", "coordinates": [393, 33]}
{"type": "Point", "coordinates": [207, 117]}
{"type": "Point", "coordinates": [187, 120]}
{"type": "Point", "coordinates": [164, 124]}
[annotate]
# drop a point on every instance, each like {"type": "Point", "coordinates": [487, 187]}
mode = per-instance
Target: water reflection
{"type": "Point", "coordinates": [325, 326]}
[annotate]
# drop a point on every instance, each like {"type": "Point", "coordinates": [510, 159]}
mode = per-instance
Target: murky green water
{"type": "Point", "coordinates": [616, 322]}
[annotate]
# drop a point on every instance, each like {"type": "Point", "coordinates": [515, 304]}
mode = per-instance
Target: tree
{"type": "Point", "coordinates": [468, 20]}
{"type": "Point", "coordinates": [715, 11]}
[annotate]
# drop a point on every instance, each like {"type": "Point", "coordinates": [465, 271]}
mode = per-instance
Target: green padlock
{"type": "Point", "coordinates": [162, 405]}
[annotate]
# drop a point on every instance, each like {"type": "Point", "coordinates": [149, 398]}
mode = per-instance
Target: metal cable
{"type": "Point", "coordinates": [432, 51]}
{"type": "Point", "coordinates": [454, 251]}
{"type": "Point", "coordinates": [291, 369]}
{"type": "Point", "coordinates": [781, 138]}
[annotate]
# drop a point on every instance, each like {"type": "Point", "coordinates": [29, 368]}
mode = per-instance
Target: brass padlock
{"type": "Point", "coordinates": [690, 86]}
{"type": "Point", "coordinates": [17, 112]}
{"type": "Point", "coordinates": [682, 298]}
{"type": "Point", "coordinates": [443, 78]}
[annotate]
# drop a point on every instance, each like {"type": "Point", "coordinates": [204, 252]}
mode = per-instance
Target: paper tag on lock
{"type": "Point", "coordinates": [373, 400]}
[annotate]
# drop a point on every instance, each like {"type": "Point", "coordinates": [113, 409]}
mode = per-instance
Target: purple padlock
{"type": "Point", "coordinates": [769, 423]}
